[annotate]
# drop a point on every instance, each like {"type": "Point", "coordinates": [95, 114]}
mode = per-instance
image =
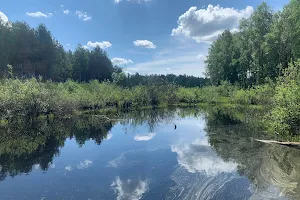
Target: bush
{"type": "Point", "coordinates": [285, 114]}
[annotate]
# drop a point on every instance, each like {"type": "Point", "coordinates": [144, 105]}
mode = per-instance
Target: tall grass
{"type": "Point", "coordinates": [34, 97]}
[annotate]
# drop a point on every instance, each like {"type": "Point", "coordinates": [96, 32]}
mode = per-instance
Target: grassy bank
{"type": "Point", "coordinates": [33, 98]}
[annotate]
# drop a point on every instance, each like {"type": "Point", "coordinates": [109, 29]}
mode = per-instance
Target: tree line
{"type": "Point", "coordinates": [35, 52]}
{"type": "Point", "coordinates": [263, 48]}
{"type": "Point", "coordinates": [24, 46]}
{"type": "Point", "coordinates": [136, 79]}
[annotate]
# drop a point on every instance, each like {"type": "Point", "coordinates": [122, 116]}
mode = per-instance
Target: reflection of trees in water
{"type": "Point", "coordinates": [90, 127]}
{"type": "Point", "coordinates": [153, 117]}
{"type": "Point", "coordinates": [24, 145]}
{"type": "Point", "coordinates": [273, 169]}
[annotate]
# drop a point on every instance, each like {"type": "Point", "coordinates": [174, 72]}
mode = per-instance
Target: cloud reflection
{"type": "Point", "coordinates": [129, 189]}
{"type": "Point", "coordinates": [85, 164]}
{"type": "Point", "coordinates": [147, 137]}
{"type": "Point", "coordinates": [68, 168]}
{"type": "Point", "coordinates": [199, 157]}
{"type": "Point", "coordinates": [109, 136]}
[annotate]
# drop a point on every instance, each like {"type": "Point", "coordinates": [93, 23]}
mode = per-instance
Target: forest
{"type": "Point", "coordinates": [34, 52]}
{"type": "Point", "coordinates": [255, 67]}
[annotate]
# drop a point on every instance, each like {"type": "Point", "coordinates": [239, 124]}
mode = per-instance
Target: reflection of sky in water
{"type": "Point", "coordinates": [199, 157]}
{"type": "Point", "coordinates": [145, 137]}
{"type": "Point", "coordinates": [129, 190]}
{"type": "Point", "coordinates": [164, 164]}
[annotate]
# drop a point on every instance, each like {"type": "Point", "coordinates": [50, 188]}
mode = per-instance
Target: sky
{"type": "Point", "coordinates": [144, 36]}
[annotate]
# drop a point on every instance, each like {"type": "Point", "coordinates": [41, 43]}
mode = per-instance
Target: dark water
{"type": "Point", "coordinates": [144, 157]}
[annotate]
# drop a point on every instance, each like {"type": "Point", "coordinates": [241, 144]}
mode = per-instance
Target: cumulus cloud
{"type": "Point", "coordinates": [199, 157]}
{"type": "Point", "coordinates": [39, 14]}
{"type": "Point", "coordinates": [121, 61]}
{"type": "Point", "coordinates": [147, 137]}
{"type": "Point", "coordinates": [135, 1]}
{"type": "Point", "coordinates": [67, 11]}
{"type": "Point", "coordinates": [129, 189]}
{"type": "Point", "coordinates": [102, 45]}
{"type": "Point", "coordinates": [204, 25]}
{"type": "Point", "coordinates": [83, 15]}
{"type": "Point", "coordinates": [68, 168]}
{"type": "Point", "coordinates": [85, 164]}
{"type": "Point", "coordinates": [3, 18]}
{"type": "Point", "coordinates": [144, 43]}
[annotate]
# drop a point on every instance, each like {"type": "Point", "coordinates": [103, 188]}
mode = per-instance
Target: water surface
{"type": "Point", "coordinates": [143, 156]}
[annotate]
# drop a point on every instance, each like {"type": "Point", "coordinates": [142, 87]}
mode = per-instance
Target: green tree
{"type": "Point", "coordinates": [62, 66]}
{"type": "Point", "coordinates": [100, 66]}
{"type": "Point", "coordinates": [219, 60]}
{"type": "Point", "coordinates": [24, 44]}
{"type": "Point", "coordinates": [46, 47]}
{"type": "Point", "coordinates": [80, 65]}
{"type": "Point", "coordinates": [5, 46]}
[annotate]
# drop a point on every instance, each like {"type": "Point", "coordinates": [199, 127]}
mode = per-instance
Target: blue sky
{"type": "Point", "coordinates": [145, 36]}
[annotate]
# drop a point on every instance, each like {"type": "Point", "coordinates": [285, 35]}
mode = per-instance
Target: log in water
{"type": "Point", "coordinates": [280, 143]}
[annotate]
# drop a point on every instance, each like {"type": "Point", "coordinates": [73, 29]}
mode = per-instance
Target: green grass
{"type": "Point", "coordinates": [35, 98]}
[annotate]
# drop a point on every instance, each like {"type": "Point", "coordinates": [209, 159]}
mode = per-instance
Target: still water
{"type": "Point", "coordinates": [143, 156]}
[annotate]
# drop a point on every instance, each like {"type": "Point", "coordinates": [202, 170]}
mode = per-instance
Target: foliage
{"type": "Point", "coordinates": [285, 113]}
{"type": "Point", "coordinates": [263, 47]}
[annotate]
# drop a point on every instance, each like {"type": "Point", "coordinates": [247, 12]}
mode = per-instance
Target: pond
{"type": "Point", "coordinates": [144, 156]}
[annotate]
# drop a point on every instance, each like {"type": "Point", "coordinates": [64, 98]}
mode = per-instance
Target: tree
{"type": "Point", "coordinates": [62, 66]}
{"type": "Point", "coordinates": [5, 46]}
{"type": "Point", "coordinates": [80, 65]}
{"type": "Point", "coordinates": [100, 66]}
{"type": "Point", "coordinates": [260, 24]}
{"type": "Point", "coordinates": [219, 60]}
{"type": "Point", "coordinates": [24, 44]}
{"type": "Point", "coordinates": [290, 17]}
{"type": "Point", "coordinates": [248, 56]}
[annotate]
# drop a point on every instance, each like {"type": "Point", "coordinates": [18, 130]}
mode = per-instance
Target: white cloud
{"type": "Point", "coordinates": [102, 45]}
{"type": "Point", "coordinates": [144, 43]}
{"type": "Point", "coordinates": [85, 164]}
{"type": "Point", "coordinates": [121, 61]}
{"type": "Point", "coordinates": [129, 189]}
{"type": "Point", "coordinates": [199, 157]}
{"type": "Point", "coordinates": [66, 11]}
{"type": "Point", "coordinates": [147, 137]}
{"type": "Point", "coordinates": [61, 6]}
{"type": "Point", "coordinates": [204, 25]}
{"type": "Point", "coordinates": [3, 18]}
{"type": "Point", "coordinates": [39, 14]}
{"type": "Point", "coordinates": [68, 168]}
{"type": "Point", "coordinates": [185, 64]}
{"type": "Point", "coordinates": [85, 47]}
{"type": "Point", "coordinates": [135, 1]}
{"type": "Point", "coordinates": [83, 15]}
{"type": "Point", "coordinates": [68, 44]}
